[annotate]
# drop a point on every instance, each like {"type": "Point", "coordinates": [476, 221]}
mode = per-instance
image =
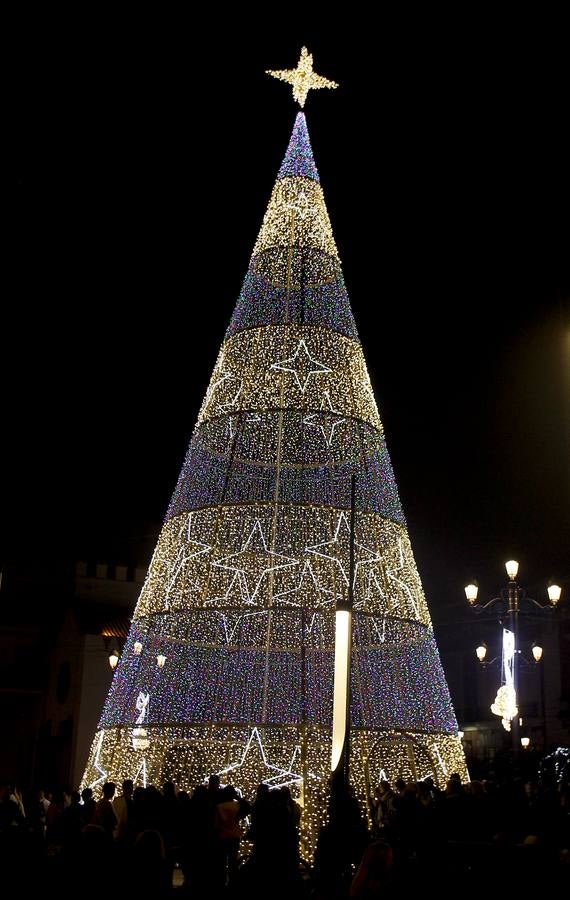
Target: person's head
{"type": "Point", "coordinates": [109, 790]}
{"type": "Point", "coordinates": [86, 795]}
{"type": "Point", "coordinates": [262, 791]}
{"type": "Point", "coordinates": [127, 787]}
{"type": "Point", "coordinates": [200, 793]}
{"type": "Point", "coordinates": [453, 788]}
{"type": "Point", "coordinates": [214, 783]}
{"type": "Point", "coordinates": [168, 790]}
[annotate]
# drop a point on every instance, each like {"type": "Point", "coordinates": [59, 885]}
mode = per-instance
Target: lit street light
{"type": "Point", "coordinates": [481, 652]}
{"type": "Point", "coordinates": [511, 601]}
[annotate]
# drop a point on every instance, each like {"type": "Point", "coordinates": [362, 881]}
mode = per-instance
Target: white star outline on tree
{"type": "Point", "coordinates": [391, 574]}
{"type": "Point", "coordinates": [96, 762]}
{"type": "Point", "coordinates": [231, 624]}
{"type": "Point", "coordinates": [142, 772]}
{"type": "Point", "coordinates": [304, 361]}
{"type": "Point", "coordinates": [288, 774]}
{"type": "Point", "coordinates": [342, 554]}
{"type": "Point", "coordinates": [316, 630]}
{"type": "Point", "coordinates": [380, 631]}
{"type": "Point", "coordinates": [222, 378]}
{"type": "Point", "coordinates": [251, 565]}
{"type": "Point", "coordinates": [326, 423]}
{"type": "Point", "coordinates": [307, 572]}
{"type": "Point", "coordinates": [393, 601]}
{"type": "Point", "coordinates": [183, 556]}
{"type": "Point", "coordinates": [374, 586]}
{"type": "Point", "coordinates": [300, 205]}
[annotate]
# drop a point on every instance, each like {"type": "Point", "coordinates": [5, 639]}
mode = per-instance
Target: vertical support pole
{"type": "Point", "coordinates": [340, 757]}
{"type": "Point", "coordinates": [543, 708]}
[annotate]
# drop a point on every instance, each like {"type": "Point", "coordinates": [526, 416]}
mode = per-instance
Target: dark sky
{"type": "Point", "coordinates": [141, 157]}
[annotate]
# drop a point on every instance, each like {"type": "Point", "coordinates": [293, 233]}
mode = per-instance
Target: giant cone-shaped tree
{"type": "Point", "coordinates": [254, 554]}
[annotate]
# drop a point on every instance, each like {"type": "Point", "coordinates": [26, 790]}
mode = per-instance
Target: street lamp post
{"type": "Point", "coordinates": [510, 599]}
{"type": "Point", "coordinates": [543, 710]}
{"type": "Point", "coordinates": [513, 594]}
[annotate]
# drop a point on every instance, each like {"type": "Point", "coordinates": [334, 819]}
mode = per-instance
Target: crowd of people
{"type": "Point", "coordinates": [216, 843]}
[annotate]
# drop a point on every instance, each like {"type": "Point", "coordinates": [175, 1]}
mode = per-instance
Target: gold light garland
{"type": "Point", "coordinates": [189, 755]}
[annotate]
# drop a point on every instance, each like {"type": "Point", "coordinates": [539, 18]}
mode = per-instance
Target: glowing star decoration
{"type": "Point", "coordinates": [374, 589]}
{"type": "Point", "coordinates": [231, 623]}
{"type": "Point", "coordinates": [366, 386]}
{"type": "Point", "coordinates": [326, 423]}
{"type": "Point", "coordinates": [283, 777]}
{"type": "Point", "coordinates": [225, 383]}
{"type": "Point", "coordinates": [142, 703]}
{"type": "Point", "coordinates": [339, 550]}
{"type": "Point", "coordinates": [302, 366]}
{"type": "Point", "coordinates": [96, 763]}
{"type": "Point", "coordinates": [402, 585]}
{"type": "Point", "coordinates": [302, 79]}
{"type": "Point", "coordinates": [188, 549]}
{"type": "Point", "coordinates": [229, 405]}
{"type": "Point", "coordinates": [300, 205]}
{"type": "Point", "coordinates": [218, 376]}
{"type": "Point", "coordinates": [316, 629]}
{"type": "Point", "coordinates": [380, 630]}
{"type": "Point", "coordinates": [253, 562]}
{"type": "Point", "coordinates": [306, 591]}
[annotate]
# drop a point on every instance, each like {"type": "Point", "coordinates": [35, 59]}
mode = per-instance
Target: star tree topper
{"type": "Point", "coordinates": [302, 79]}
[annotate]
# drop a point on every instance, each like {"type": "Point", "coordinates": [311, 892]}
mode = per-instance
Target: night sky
{"type": "Point", "coordinates": [141, 159]}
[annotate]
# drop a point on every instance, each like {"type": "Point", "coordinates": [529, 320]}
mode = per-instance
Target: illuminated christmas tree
{"type": "Point", "coordinates": [239, 601]}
